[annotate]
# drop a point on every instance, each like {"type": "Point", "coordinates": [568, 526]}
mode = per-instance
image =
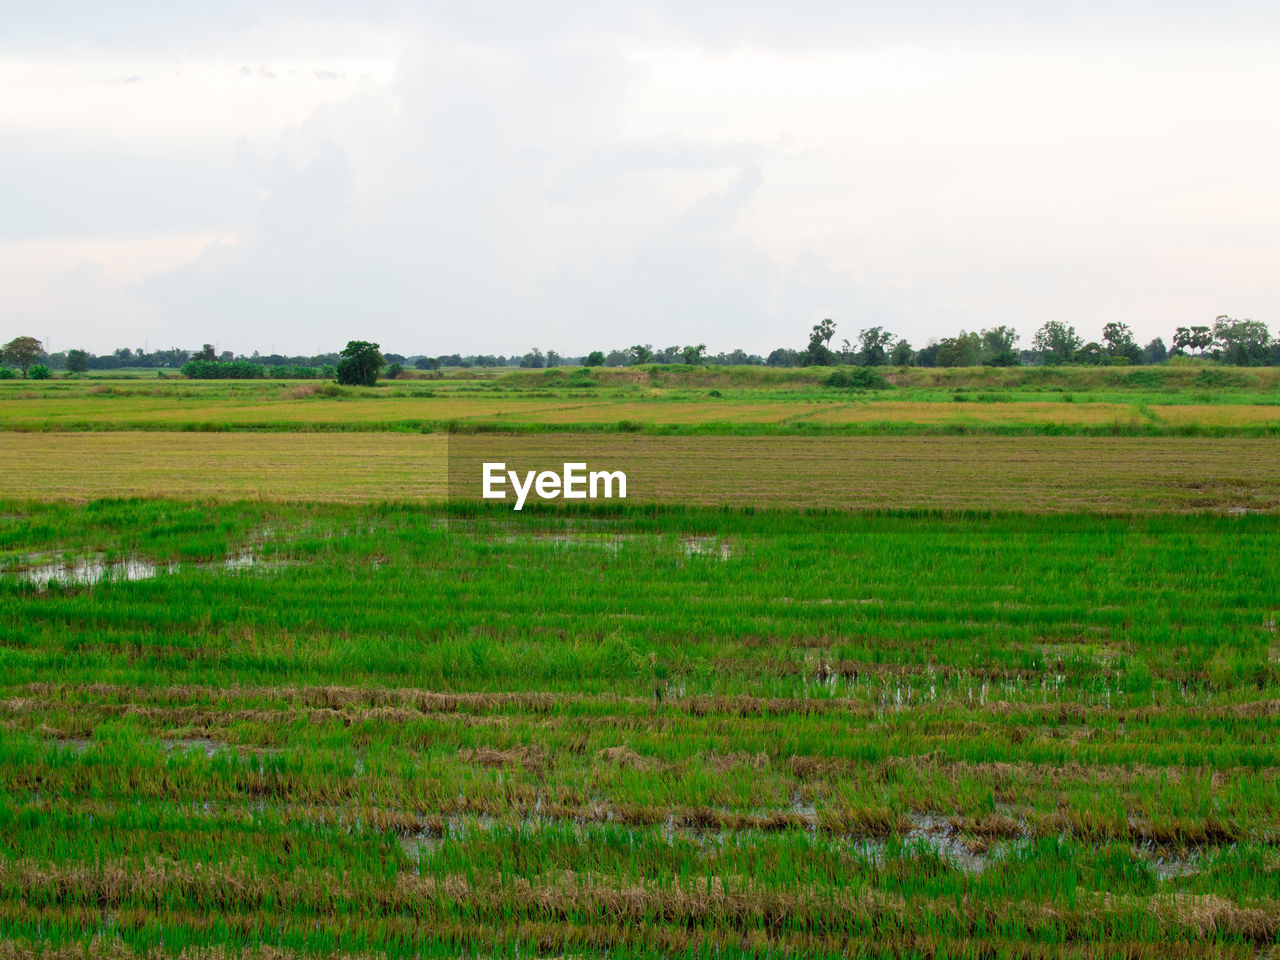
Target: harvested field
{"type": "Point", "coordinates": [1025, 473]}
{"type": "Point", "coordinates": [219, 466]}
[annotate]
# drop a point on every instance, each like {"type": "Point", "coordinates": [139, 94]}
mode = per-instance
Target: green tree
{"type": "Point", "coordinates": [640, 353]}
{"type": "Point", "coordinates": [595, 359]}
{"type": "Point", "coordinates": [1120, 343]}
{"type": "Point", "coordinates": [823, 331]}
{"type": "Point", "coordinates": [694, 354]}
{"type": "Point", "coordinates": [1092, 354]}
{"type": "Point", "coordinates": [22, 352]}
{"type": "Point", "coordinates": [77, 361]}
{"type": "Point", "coordinates": [1193, 338]}
{"type": "Point", "coordinates": [394, 370]}
{"type": "Point", "coordinates": [872, 344]}
{"type": "Point", "coordinates": [669, 354]}
{"type": "Point", "coordinates": [1057, 342]}
{"type": "Point", "coordinates": [998, 345]}
{"type": "Point", "coordinates": [207, 352]}
{"type": "Point", "coordinates": [1155, 352]}
{"type": "Point", "coordinates": [927, 356]}
{"type": "Point", "coordinates": [818, 352]}
{"type": "Point", "coordinates": [41, 372]}
{"type": "Point", "coordinates": [901, 354]}
{"type": "Point", "coordinates": [1242, 342]}
{"type": "Point", "coordinates": [359, 364]}
{"type": "Point", "coordinates": [962, 351]}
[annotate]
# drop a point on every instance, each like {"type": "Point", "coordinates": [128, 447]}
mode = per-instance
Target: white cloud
{"type": "Point", "coordinates": [578, 177]}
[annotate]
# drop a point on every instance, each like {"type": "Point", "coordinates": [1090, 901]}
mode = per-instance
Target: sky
{"type": "Point", "coordinates": [490, 177]}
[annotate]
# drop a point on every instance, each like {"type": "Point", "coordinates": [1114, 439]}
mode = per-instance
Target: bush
{"type": "Point", "coordinates": [1002, 358]}
{"type": "Point", "coordinates": [7, 374]}
{"type": "Point", "coordinates": [39, 372]}
{"type": "Point", "coordinates": [856, 378]}
{"type": "Point", "coordinates": [217, 370]}
{"type": "Point", "coordinates": [1144, 379]}
{"type": "Point", "coordinates": [284, 372]}
{"type": "Point", "coordinates": [1213, 377]}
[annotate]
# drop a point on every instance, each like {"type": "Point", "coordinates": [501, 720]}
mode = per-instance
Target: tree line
{"type": "Point", "coordinates": [1227, 340]}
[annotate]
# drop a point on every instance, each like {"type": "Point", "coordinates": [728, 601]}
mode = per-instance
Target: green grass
{"type": "Point", "coordinates": [1176, 400]}
{"type": "Point", "coordinates": [645, 731]}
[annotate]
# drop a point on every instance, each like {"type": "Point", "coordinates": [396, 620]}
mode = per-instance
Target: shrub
{"type": "Point", "coordinates": [217, 370]}
{"type": "Point", "coordinates": [1213, 377]}
{"type": "Point", "coordinates": [39, 372]}
{"type": "Point", "coordinates": [286, 372]}
{"type": "Point", "coordinates": [856, 378]}
{"type": "Point", "coordinates": [1145, 379]}
{"type": "Point", "coordinates": [7, 374]}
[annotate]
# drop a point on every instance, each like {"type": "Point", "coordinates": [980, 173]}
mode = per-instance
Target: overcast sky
{"type": "Point", "coordinates": [489, 177]}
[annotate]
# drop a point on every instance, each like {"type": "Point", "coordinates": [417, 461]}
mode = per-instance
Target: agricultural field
{"type": "Point", "coordinates": [1046, 474]}
{"type": "Point", "coordinates": [275, 687]}
{"type": "Point", "coordinates": [985, 401]}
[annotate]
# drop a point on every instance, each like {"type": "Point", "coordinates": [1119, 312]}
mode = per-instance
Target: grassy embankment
{"type": "Point", "coordinates": [1052, 401]}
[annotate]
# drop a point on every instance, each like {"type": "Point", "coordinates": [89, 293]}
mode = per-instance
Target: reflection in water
{"type": "Point", "coordinates": [86, 571]}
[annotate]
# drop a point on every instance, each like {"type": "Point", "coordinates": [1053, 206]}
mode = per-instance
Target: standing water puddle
{"type": "Point", "coordinates": [606, 541]}
{"type": "Point", "coordinates": [707, 546]}
{"type": "Point", "coordinates": [87, 571]}
{"type": "Point", "coordinates": [937, 835]}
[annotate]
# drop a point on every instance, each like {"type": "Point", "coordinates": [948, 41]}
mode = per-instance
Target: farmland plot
{"type": "Point", "coordinates": [415, 730]}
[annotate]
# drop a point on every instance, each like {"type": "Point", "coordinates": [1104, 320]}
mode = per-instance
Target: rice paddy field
{"type": "Point", "coordinates": [276, 688]}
